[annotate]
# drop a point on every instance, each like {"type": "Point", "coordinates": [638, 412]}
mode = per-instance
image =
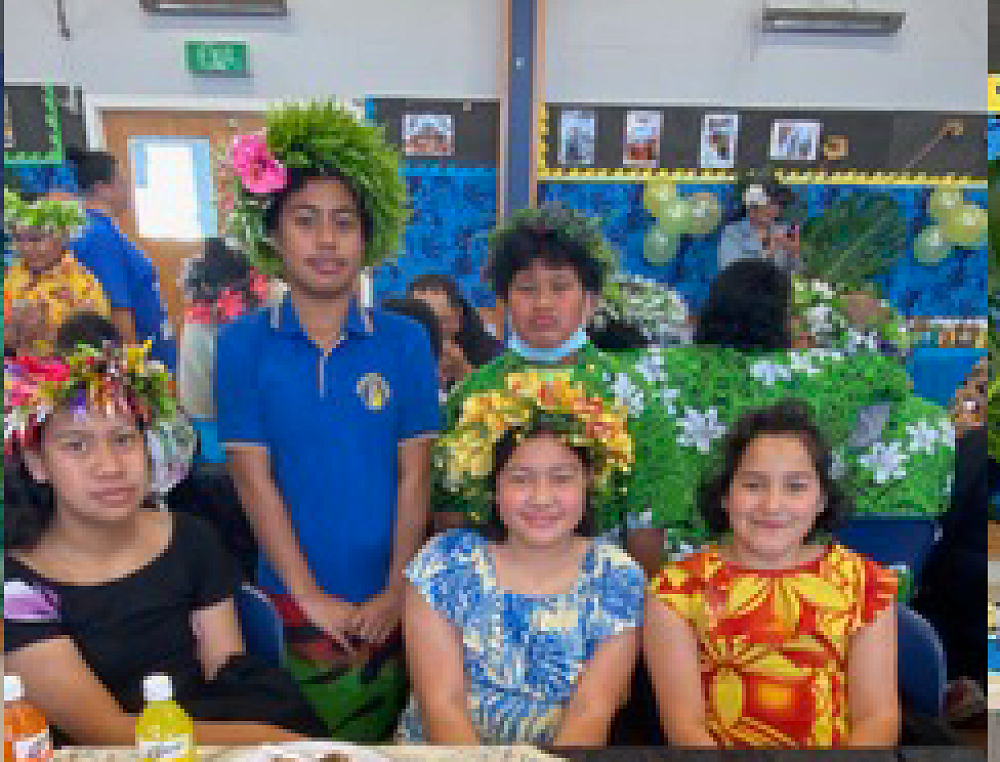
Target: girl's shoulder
{"type": "Point", "coordinates": [690, 573]}
{"type": "Point", "coordinates": [449, 552]}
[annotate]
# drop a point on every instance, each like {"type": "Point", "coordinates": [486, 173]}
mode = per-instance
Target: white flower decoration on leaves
{"type": "Point", "coordinates": [886, 461]}
{"type": "Point", "coordinates": [769, 372]}
{"type": "Point", "coordinates": [802, 363]}
{"type": "Point", "coordinates": [923, 437]}
{"type": "Point", "coordinates": [838, 469]}
{"type": "Point", "coordinates": [947, 433]}
{"type": "Point", "coordinates": [700, 429]}
{"type": "Point", "coordinates": [627, 394]}
{"type": "Point", "coordinates": [823, 289]}
{"type": "Point", "coordinates": [820, 318]}
{"type": "Point", "coordinates": [650, 368]}
{"type": "Point", "coordinates": [755, 195]}
{"type": "Point", "coordinates": [667, 396]}
{"type": "Point", "coordinates": [857, 340]}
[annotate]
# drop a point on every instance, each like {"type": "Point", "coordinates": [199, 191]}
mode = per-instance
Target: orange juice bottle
{"type": "Point", "coordinates": [25, 733]}
{"type": "Point", "coordinates": [164, 732]}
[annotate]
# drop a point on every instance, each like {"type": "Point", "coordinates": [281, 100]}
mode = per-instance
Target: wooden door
{"type": "Point", "coordinates": [217, 128]}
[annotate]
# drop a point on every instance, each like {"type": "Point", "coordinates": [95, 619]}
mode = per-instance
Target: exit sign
{"type": "Point", "coordinates": [219, 58]}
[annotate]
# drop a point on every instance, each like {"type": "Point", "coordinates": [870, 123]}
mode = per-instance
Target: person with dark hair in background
{"type": "Point", "coordinates": [748, 308]}
{"type": "Point", "coordinates": [467, 343]}
{"type": "Point", "coordinates": [959, 562]}
{"type": "Point", "coordinates": [129, 278]}
{"type": "Point", "coordinates": [419, 311]}
{"type": "Point", "coordinates": [327, 409]}
{"type": "Point", "coordinates": [756, 232]}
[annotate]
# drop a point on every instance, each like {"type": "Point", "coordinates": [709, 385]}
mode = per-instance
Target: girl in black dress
{"type": "Point", "coordinates": [99, 592]}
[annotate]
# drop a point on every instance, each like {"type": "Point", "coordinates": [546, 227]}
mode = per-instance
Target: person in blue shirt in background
{"type": "Point", "coordinates": [129, 278]}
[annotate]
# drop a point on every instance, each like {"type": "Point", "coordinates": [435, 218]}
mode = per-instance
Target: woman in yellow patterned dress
{"type": "Point", "coordinates": [47, 285]}
{"type": "Point", "coordinates": [789, 638]}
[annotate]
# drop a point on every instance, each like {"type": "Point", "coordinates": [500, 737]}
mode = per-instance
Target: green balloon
{"type": "Point", "coordinates": [676, 217]}
{"type": "Point", "coordinates": [966, 226]}
{"type": "Point", "coordinates": [660, 246]}
{"type": "Point", "coordinates": [657, 194]}
{"type": "Point", "coordinates": [944, 202]}
{"type": "Point", "coordinates": [931, 246]}
{"type": "Point", "coordinates": [705, 213]}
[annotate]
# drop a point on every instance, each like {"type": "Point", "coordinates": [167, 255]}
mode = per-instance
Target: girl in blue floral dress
{"type": "Point", "coordinates": [525, 631]}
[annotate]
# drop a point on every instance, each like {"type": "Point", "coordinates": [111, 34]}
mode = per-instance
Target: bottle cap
{"type": "Point", "coordinates": [157, 688]}
{"type": "Point", "coordinates": [13, 688]}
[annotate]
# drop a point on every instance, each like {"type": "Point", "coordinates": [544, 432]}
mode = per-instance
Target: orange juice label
{"type": "Point", "coordinates": [36, 748]}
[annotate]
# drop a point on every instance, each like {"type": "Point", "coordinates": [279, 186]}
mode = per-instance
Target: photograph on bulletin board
{"type": "Point", "coordinates": [577, 138]}
{"type": "Point", "coordinates": [8, 124]}
{"type": "Point", "coordinates": [719, 133]}
{"type": "Point", "coordinates": [794, 141]}
{"type": "Point", "coordinates": [642, 139]}
{"type": "Point", "coordinates": [428, 135]}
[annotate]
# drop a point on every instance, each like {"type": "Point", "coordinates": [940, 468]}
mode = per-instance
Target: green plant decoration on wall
{"type": "Point", "coordinates": [857, 238]}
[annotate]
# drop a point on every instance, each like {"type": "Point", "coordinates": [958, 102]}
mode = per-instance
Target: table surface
{"type": "Point", "coordinates": [621, 754]}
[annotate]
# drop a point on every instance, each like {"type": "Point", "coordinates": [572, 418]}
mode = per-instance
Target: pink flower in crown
{"type": "Point", "coordinates": [260, 286]}
{"type": "Point", "coordinates": [230, 305]}
{"type": "Point", "coordinates": [258, 170]}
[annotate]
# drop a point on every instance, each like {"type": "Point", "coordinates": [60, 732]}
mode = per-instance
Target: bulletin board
{"type": "Point", "coordinates": [878, 143]}
{"type": "Point", "coordinates": [38, 123]}
{"type": "Point", "coordinates": [475, 128]}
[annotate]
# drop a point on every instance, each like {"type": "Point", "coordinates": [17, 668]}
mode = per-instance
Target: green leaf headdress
{"type": "Point", "coordinates": [49, 214]}
{"type": "Point", "coordinates": [567, 226]}
{"type": "Point", "coordinates": [322, 137]}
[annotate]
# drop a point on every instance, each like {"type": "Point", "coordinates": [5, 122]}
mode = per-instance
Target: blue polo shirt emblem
{"type": "Point", "coordinates": [373, 391]}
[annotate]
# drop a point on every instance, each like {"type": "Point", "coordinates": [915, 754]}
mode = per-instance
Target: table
{"type": "Point", "coordinates": [626, 754]}
{"type": "Point", "coordinates": [393, 753]}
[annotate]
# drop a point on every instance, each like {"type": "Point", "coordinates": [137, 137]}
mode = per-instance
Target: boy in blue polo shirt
{"type": "Point", "coordinates": [128, 277]}
{"type": "Point", "coordinates": [327, 410]}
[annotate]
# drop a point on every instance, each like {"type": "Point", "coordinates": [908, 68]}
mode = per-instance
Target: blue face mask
{"type": "Point", "coordinates": [552, 356]}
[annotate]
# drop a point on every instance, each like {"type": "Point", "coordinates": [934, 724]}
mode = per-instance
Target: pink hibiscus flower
{"type": "Point", "coordinates": [258, 170]}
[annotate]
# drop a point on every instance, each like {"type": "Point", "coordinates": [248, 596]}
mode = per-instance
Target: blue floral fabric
{"type": "Point", "coordinates": [522, 654]}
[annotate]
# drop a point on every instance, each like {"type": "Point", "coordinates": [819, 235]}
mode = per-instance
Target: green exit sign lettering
{"type": "Point", "coordinates": [216, 58]}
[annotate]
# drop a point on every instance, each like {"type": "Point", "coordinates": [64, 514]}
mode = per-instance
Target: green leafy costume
{"type": "Point", "coordinates": [894, 450]}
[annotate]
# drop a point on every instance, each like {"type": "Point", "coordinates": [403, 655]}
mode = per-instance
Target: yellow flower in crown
{"type": "Point", "coordinates": [530, 399]}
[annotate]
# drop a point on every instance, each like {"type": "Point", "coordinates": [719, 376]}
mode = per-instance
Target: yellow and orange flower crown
{"type": "Point", "coordinates": [529, 400]}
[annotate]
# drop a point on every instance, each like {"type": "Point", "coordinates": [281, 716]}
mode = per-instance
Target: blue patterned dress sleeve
{"type": "Point", "coordinates": [619, 589]}
{"type": "Point", "coordinates": [443, 573]}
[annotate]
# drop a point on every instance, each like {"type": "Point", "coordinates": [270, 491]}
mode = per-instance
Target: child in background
{"type": "Point", "coordinates": [47, 284]}
{"type": "Point", "coordinates": [789, 639]}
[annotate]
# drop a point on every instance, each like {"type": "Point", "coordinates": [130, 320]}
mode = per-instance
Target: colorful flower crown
{"type": "Point", "coordinates": [569, 228]}
{"type": "Point", "coordinates": [322, 137]}
{"type": "Point", "coordinates": [532, 399]}
{"type": "Point", "coordinates": [49, 214]}
{"type": "Point", "coordinates": [114, 380]}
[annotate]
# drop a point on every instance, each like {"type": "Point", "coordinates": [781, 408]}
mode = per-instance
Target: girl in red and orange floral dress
{"type": "Point", "coordinates": [789, 638]}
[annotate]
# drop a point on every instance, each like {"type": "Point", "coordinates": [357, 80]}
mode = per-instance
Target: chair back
{"type": "Point", "coordinates": [263, 631]}
{"type": "Point", "coordinates": [923, 670]}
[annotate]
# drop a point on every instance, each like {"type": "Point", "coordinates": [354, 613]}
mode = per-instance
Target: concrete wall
{"type": "Point", "coordinates": [712, 52]}
{"type": "Point", "coordinates": [446, 48]}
